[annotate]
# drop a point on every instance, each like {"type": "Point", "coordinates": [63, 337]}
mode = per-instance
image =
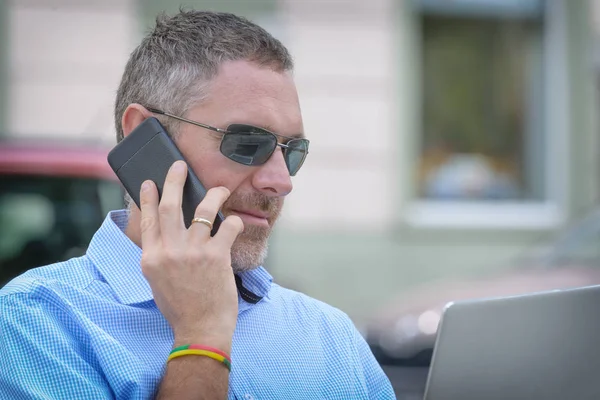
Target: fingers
{"type": "Point", "coordinates": [169, 209]}
{"type": "Point", "coordinates": [149, 224]}
{"type": "Point", "coordinates": [164, 220]}
{"type": "Point", "coordinates": [228, 231]}
{"type": "Point", "coordinates": [207, 209]}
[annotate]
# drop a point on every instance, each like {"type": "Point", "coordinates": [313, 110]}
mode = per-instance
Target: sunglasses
{"type": "Point", "coordinates": [250, 145]}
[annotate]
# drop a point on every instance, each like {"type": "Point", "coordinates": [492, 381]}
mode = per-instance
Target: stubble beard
{"type": "Point", "coordinates": [250, 249]}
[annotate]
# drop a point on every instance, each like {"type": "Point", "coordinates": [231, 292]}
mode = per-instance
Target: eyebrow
{"type": "Point", "coordinates": [299, 135]}
{"type": "Point", "coordinates": [267, 127]}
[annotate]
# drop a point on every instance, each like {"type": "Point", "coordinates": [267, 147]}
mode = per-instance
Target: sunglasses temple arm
{"type": "Point", "coordinates": [189, 121]}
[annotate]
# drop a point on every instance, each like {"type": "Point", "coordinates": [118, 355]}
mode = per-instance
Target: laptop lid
{"type": "Point", "coordinates": [537, 346]}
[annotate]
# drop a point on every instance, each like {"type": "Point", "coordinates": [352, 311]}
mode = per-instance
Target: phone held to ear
{"type": "Point", "coordinates": [147, 153]}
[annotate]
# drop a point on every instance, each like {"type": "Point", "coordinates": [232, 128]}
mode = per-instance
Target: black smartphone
{"type": "Point", "coordinates": [147, 153]}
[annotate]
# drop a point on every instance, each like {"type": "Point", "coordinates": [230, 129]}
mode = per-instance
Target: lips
{"type": "Point", "coordinates": [253, 217]}
{"type": "Point", "coordinates": [254, 213]}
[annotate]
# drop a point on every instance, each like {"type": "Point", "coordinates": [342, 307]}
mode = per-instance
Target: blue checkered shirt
{"type": "Point", "coordinates": [88, 328]}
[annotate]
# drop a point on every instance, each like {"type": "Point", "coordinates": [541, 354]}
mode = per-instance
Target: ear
{"type": "Point", "coordinates": [134, 115]}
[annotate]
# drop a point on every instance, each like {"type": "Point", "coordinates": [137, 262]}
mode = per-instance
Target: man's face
{"type": "Point", "coordinates": [245, 93]}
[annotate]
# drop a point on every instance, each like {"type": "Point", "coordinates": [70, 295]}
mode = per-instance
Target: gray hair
{"type": "Point", "coordinates": [172, 67]}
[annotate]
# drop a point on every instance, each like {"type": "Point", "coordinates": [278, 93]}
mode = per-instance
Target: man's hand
{"type": "Point", "coordinates": [188, 270]}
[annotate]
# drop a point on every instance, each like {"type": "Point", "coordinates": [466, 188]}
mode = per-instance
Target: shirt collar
{"type": "Point", "coordinates": [118, 260]}
{"type": "Point", "coordinates": [257, 282]}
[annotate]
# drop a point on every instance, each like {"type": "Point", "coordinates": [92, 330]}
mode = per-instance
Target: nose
{"type": "Point", "coordinates": [273, 178]}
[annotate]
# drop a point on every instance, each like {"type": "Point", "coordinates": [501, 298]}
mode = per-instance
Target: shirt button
{"type": "Point", "coordinates": [248, 396]}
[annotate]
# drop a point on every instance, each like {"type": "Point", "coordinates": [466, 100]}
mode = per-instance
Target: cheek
{"type": "Point", "coordinates": [213, 169]}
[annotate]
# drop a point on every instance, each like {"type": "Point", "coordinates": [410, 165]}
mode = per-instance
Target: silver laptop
{"type": "Point", "coordinates": [538, 346]}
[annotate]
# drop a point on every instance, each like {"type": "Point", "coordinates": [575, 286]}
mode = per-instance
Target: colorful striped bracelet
{"type": "Point", "coordinates": [198, 350]}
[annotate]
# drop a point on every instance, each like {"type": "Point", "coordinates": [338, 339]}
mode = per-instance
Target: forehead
{"type": "Point", "coordinates": [243, 92]}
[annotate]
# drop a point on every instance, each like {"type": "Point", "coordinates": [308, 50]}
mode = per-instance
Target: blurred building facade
{"type": "Point", "coordinates": [64, 59]}
{"type": "Point", "coordinates": [446, 137]}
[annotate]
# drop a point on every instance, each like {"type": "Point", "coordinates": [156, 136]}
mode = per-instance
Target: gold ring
{"type": "Point", "coordinates": [203, 221]}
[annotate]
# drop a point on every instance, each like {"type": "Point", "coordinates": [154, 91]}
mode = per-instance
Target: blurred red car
{"type": "Point", "coordinates": [53, 197]}
{"type": "Point", "coordinates": [404, 332]}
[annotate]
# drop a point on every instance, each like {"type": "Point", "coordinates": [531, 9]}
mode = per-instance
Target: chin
{"type": "Point", "coordinates": [248, 253]}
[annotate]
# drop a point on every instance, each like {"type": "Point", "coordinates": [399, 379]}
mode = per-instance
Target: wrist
{"type": "Point", "coordinates": [220, 342]}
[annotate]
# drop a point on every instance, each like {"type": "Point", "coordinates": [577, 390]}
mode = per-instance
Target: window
{"type": "Point", "coordinates": [487, 130]}
{"type": "Point", "coordinates": [481, 95]}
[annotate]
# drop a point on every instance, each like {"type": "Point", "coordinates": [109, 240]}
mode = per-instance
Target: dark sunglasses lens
{"type": "Point", "coordinates": [248, 148]}
{"type": "Point", "coordinates": [295, 154]}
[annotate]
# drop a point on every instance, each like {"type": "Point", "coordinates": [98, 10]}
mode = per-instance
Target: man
{"type": "Point", "coordinates": [117, 322]}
